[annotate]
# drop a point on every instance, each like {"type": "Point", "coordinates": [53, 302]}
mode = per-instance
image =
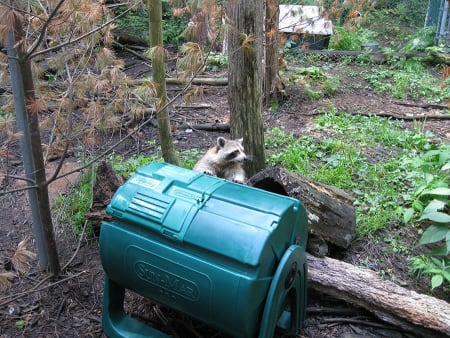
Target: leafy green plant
{"type": "Point", "coordinates": [405, 11]}
{"type": "Point", "coordinates": [217, 61]}
{"type": "Point", "coordinates": [311, 93]}
{"type": "Point", "coordinates": [127, 167]}
{"type": "Point", "coordinates": [350, 39]}
{"type": "Point", "coordinates": [432, 186]}
{"type": "Point", "coordinates": [421, 40]}
{"type": "Point", "coordinates": [430, 203]}
{"type": "Point", "coordinates": [189, 157]}
{"type": "Point", "coordinates": [173, 26]}
{"type": "Point", "coordinates": [20, 324]}
{"type": "Point", "coordinates": [134, 23]}
{"type": "Point", "coordinates": [438, 269]}
{"type": "Point", "coordinates": [331, 86]}
{"type": "Point", "coordinates": [323, 84]}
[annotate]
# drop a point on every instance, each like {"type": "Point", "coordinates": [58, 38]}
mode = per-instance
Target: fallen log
{"type": "Point", "coordinates": [223, 127]}
{"type": "Point", "coordinates": [395, 116]}
{"type": "Point", "coordinates": [331, 214]}
{"type": "Point", "coordinates": [416, 313]}
{"type": "Point", "coordinates": [206, 81]}
{"type": "Point", "coordinates": [422, 105]}
{"type": "Point", "coordinates": [381, 57]}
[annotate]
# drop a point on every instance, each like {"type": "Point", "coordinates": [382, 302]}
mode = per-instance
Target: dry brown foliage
{"type": "Point", "coordinates": [6, 279]}
{"type": "Point", "coordinates": [22, 257]}
{"type": "Point", "coordinates": [99, 89]}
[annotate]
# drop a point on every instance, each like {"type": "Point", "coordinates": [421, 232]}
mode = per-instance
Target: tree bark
{"type": "Point", "coordinates": [416, 313]}
{"type": "Point", "coordinates": [42, 213]}
{"type": "Point", "coordinates": [245, 39]}
{"type": "Point", "coordinates": [156, 43]}
{"type": "Point", "coordinates": [271, 78]}
{"type": "Point", "coordinates": [331, 214]}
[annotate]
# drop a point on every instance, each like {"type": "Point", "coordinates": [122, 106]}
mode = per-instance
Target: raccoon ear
{"type": "Point", "coordinates": [241, 140]}
{"type": "Point", "coordinates": [221, 141]}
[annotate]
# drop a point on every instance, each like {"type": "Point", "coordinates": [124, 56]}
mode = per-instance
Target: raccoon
{"type": "Point", "coordinates": [224, 160]}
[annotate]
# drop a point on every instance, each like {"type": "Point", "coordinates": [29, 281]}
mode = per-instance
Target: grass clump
{"type": "Point", "coordinates": [72, 208]}
{"type": "Point", "coordinates": [406, 79]}
{"type": "Point", "coordinates": [314, 81]}
{"type": "Point", "coordinates": [362, 154]}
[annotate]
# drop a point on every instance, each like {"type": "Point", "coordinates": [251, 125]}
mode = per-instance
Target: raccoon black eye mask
{"type": "Point", "coordinates": [224, 160]}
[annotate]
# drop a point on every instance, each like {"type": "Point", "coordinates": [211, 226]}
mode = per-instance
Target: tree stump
{"type": "Point", "coordinates": [107, 181]}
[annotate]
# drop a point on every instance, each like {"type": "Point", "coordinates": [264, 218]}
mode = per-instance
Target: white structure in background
{"type": "Point", "coordinates": [304, 20]}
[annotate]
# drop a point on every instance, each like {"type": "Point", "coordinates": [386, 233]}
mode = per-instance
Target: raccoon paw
{"type": "Point", "coordinates": [208, 172]}
{"type": "Point", "coordinates": [237, 180]}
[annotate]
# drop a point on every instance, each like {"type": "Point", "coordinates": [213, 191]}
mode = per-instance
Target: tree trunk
{"type": "Point", "coordinates": [245, 39]}
{"type": "Point", "coordinates": [331, 214]}
{"type": "Point", "coordinates": [158, 67]}
{"type": "Point", "coordinates": [271, 78]}
{"type": "Point", "coordinates": [416, 313]}
{"type": "Point", "coordinates": [41, 211]}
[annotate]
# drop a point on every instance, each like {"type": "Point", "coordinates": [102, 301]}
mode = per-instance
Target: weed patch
{"type": "Point", "coordinates": [72, 208]}
{"type": "Point", "coordinates": [346, 160]}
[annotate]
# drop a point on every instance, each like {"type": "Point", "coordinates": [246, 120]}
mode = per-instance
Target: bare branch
{"type": "Point", "coordinates": [69, 133]}
{"type": "Point", "coordinates": [20, 178]}
{"type": "Point", "coordinates": [11, 298]}
{"type": "Point", "coordinates": [44, 28]}
{"type": "Point", "coordinates": [3, 193]}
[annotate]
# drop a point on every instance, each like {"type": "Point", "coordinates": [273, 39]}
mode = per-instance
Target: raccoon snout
{"type": "Point", "coordinates": [248, 158]}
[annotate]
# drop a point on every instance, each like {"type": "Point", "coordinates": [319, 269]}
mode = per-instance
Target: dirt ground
{"type": "Point", "coordinates": [33, 306]}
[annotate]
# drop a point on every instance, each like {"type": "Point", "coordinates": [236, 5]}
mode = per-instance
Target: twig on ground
{"type": "Point", "coordinates": [9, 299]}
{"type": "Point", "coordinates": [356, 321]}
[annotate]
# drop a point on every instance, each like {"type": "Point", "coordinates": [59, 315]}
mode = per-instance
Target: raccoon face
{"type": "Point", "coordinates": [231, 150]}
